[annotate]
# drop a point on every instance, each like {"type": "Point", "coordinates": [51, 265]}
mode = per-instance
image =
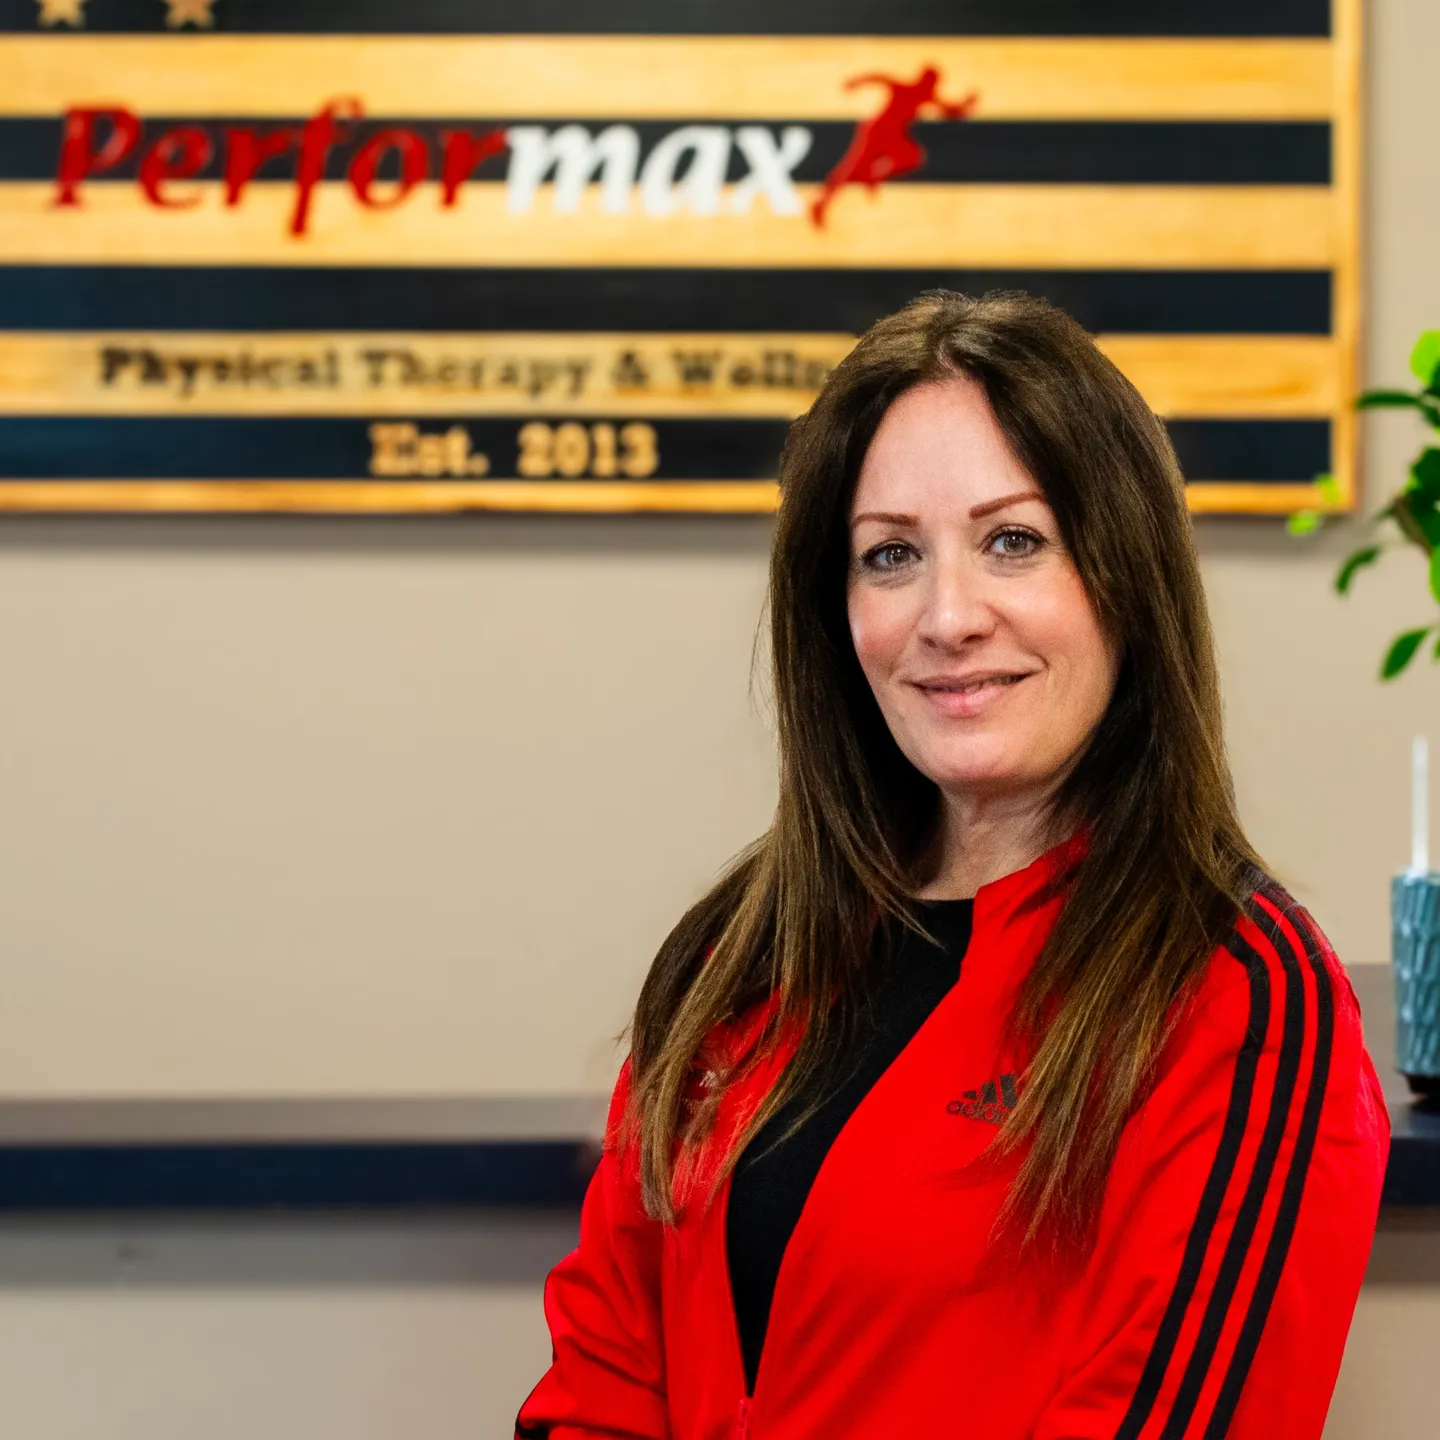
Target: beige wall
{"type": "Point", "coordinates": [338, 808]}
{"type": "Point", "coordinates": [360, 808]}
{"type": "Point", "coordinates": [405, 806]}
{"type": "Point", "coordinates": [1386, 1389]}
{"type": "Point", "coordinates": [272, 1328]}
{"type": "Point", "coordinates": [361, 1329]}
{"type": "Point", "coordinates": [1320, 749]}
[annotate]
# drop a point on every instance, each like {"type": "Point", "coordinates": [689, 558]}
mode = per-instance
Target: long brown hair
{"type": "Point", "coordinates": [1164, 872]}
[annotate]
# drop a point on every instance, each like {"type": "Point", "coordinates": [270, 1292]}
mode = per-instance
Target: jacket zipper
{"type": "Point", "coordinates": [742, 1420]}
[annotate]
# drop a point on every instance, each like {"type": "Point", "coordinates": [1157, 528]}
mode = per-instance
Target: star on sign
{"type": "Point", "coordinates": [62, 12]}
{"type": "Point", "coordinates": [193, 12]}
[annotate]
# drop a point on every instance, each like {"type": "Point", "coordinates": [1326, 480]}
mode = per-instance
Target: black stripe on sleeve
{"type": "Point", "coordinates": [1221, 152]}
{"type": "Point", "coordinates": [1247, 1218]}
{"type": "Point", "coordinates": [249, 297]}
{"type": "Point", "coordinates": [1212, 1197]}
{"type": "Point", "coordinates": [718, 17]}
{"type": "Point", "coordinates": [1269, 1278]}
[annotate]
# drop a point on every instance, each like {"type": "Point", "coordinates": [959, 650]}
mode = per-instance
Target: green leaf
{"type": "Point", "coordinates": [1329, 488]}
{"type": "Point", "coordinates": [1425, 474]}
{"type": "Point", "coordinates": [1435, 573]}
{"type": "Point", "coordinates": [1402, 652]}
{"type": "Point", "coordinates": [1425, 358]}
{"type": "Point", "coordinates": [1418, 507]}
{"type": "Point", "coordinates": [1387, 399]}
{"type": "Point", "coordinates": [1358, 561]}
{"type": "Point", "coordinates": [1303, 522]}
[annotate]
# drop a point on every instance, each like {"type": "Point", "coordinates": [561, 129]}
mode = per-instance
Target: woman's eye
{"type": "Point", "coordinates": [1013, 543]}
{"type": "Point", "coordinates": [887, 556]}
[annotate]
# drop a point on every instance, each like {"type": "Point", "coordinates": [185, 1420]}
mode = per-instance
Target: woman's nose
{"type": "Point", "coordinates": [957, 605]}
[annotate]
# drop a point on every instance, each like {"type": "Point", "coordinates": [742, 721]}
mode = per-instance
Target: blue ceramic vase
{"type": "Point", "coordinates": [1415, 951]}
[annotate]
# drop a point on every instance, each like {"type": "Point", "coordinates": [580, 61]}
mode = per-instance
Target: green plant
{"type": "Point", "coordinates": [1413, 511]}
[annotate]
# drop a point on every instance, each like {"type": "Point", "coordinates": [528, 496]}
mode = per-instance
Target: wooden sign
{"type": "Point", "coordinates": [420, 255]}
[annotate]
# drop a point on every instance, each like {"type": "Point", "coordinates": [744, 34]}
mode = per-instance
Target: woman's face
{"type": "Point", "coordinates": [968, 615]}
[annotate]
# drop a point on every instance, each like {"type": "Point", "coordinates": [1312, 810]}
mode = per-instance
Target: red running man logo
{"type": "Point", "coordinates": [883, 148]}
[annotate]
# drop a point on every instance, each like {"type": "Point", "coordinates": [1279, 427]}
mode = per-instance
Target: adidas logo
{"type": "Point", "coordinates": [986, 1103]}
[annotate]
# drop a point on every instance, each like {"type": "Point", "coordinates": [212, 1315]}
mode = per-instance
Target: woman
{"type": "Point", "coordinates": [995, 1091]}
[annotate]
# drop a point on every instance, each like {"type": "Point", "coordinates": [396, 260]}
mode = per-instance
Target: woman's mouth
{"type": "Point", "coordinates": [965, 695]}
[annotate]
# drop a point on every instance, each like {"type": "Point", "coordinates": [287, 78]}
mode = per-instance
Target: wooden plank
{"type": "Point", "coordinates": [904, 225]}
{"type": "Point", "coordinates": [1229, 375]}
{"type": "Point", "coordinates": [1346, 274]}
{"type": "Point", "coordinates": [429, 497]}
{"type": "Point", "coordinates": [379, 497]}
{"type": "Point", "coordinates": [637, 77]}
{"type": "Point", "coordinates": [239, 373]}
{"type": "Point", "coordinates": [1236, 497]}
{"type": "Point", "coordinates": [357, 373]}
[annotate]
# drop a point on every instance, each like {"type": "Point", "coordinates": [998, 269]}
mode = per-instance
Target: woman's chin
{"type": "Point", "coordinates": [994, 773]}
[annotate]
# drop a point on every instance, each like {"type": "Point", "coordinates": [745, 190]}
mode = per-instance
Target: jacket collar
{"type": "Point", "coordinates": [1020, 896]}
{"type": "Point", "coordinates": [1034, 887]}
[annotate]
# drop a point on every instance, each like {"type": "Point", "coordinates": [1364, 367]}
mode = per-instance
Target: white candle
{"type": "Point", "coordinates": [1419, 806]}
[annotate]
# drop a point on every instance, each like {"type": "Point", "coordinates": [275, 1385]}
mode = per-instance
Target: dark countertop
{"type": "Point", "coordinates": [507, 1152]}
{"type": "Point", "coordinates": [516, 1153]}
{"type": "Point", "coordinates": [1413, 1176]}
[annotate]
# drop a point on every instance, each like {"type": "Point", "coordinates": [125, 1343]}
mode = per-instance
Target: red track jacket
{"type": "Point", "coordinates": [1232, 1241]}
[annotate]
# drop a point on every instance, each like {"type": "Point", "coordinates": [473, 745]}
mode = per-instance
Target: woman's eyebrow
{"type": "Point", "coordinates": [885, 517]}
{"type": "Point", "coordinates": [991, 506]}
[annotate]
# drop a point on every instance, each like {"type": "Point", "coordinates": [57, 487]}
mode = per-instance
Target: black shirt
{"type": "Point", "coordinates": [771, 1182]}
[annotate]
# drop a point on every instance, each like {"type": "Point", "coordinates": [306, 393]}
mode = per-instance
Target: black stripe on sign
{"type": "Point", "coordinates": [719, 17]}
{"type": "Point", "coordinates": [1263, 450]}
{"type": "Point", "coordinates": [249, 298]}
{"type": "Point", "coordinates": [1217, 1182]}
{"type": "Point", "coordinates": [978, 151]}
{"type": "Point", "coordinates": [339, 448]}
{"type": "Point", "coordinates": [1247, 1217]}
{"type": "Point", "coordinates": [333, 448]}
{"type": "Point", "coordinates": [1285, 1220]}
